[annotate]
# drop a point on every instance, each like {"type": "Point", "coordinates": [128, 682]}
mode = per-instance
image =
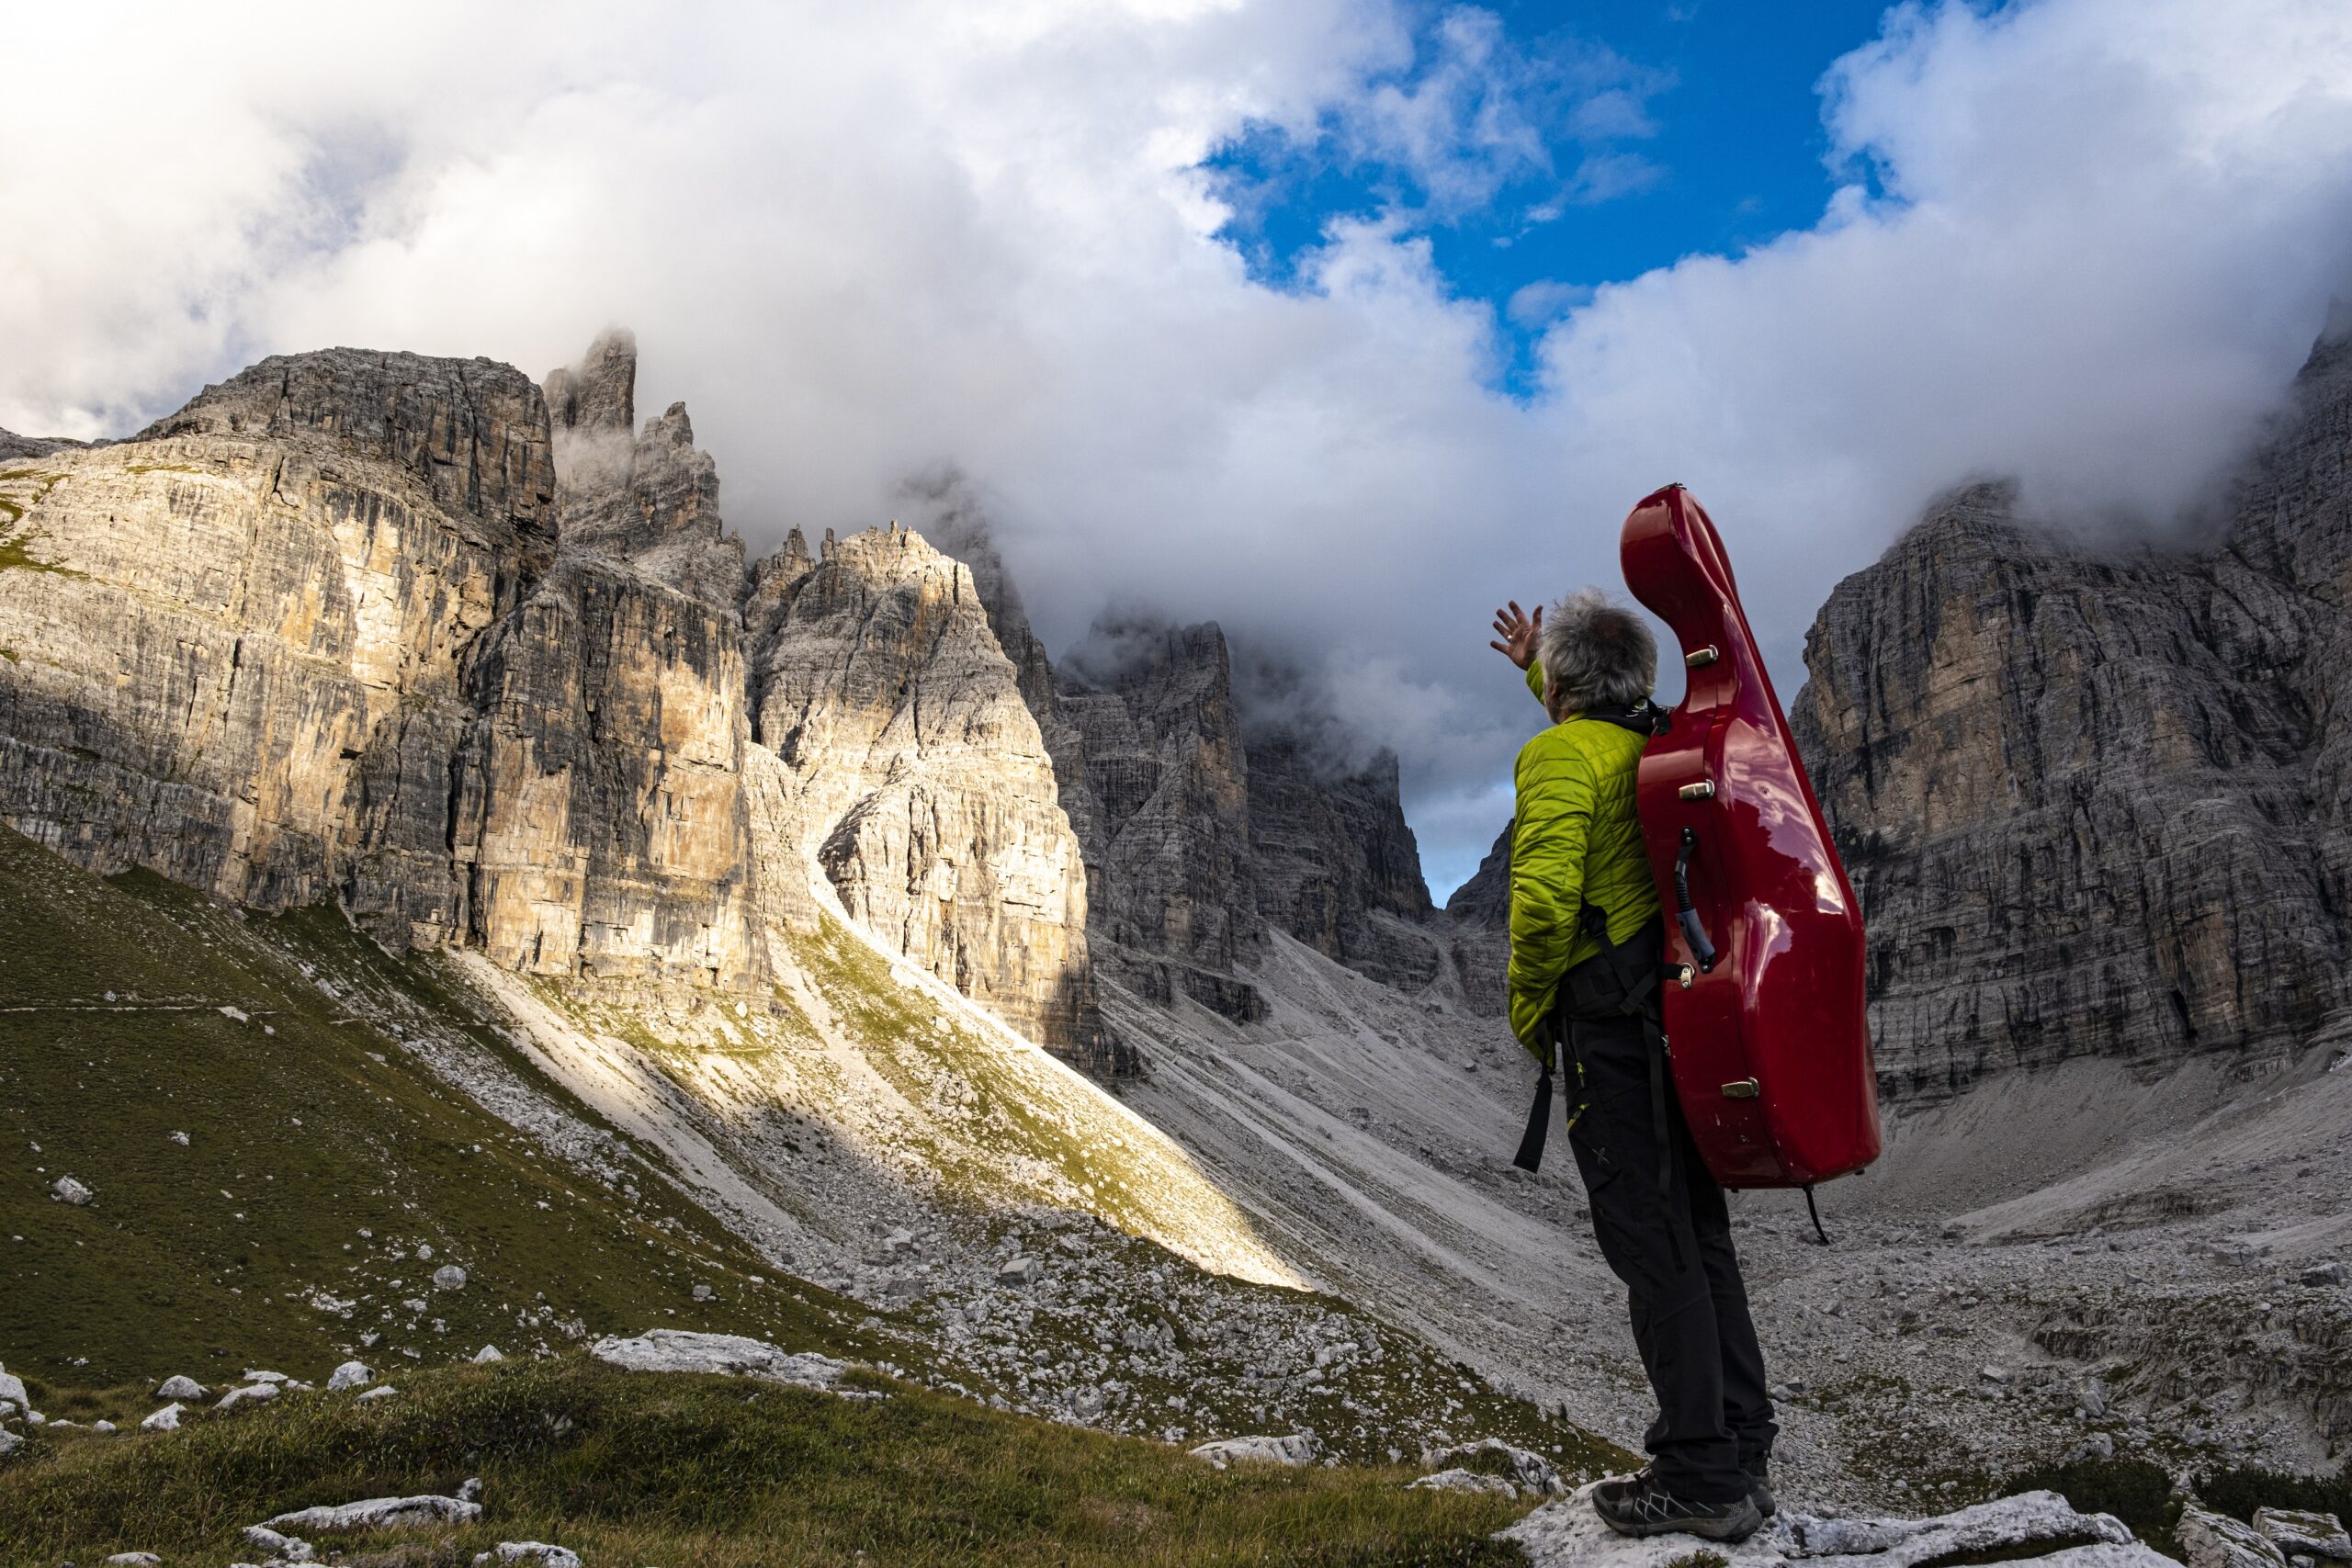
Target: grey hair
{"type": "Point", "coordinates": [1595, 655]}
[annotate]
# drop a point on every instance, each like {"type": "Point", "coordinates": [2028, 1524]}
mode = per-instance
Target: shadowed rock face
{"type": "Point", "coordinates": [2096, 803]}
{"type": "Point", "coordinates": [1333, 853]}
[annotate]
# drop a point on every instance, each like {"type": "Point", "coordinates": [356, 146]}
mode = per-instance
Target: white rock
{"type": "Point", "coordinates": [281, 1548]}
{"type": "Point", "coordinates": [251, 1394]}
{"type": "Point", "coordinates": [102, 1427]}
{"type": "Point", "coordinates": [179, 1387]}
{"type": "Point", "coordinates": [1295, 1450]}
{"type": "Point", "coordinates": [378, 1514]}
{"type": "Point", "coordinates": [9, 1442]}
{"type": "Point", "coordinates": [12, 1391]}
{"type": "Point", "coordinates": [254, 1375]}
{"type": "Point", "coordinates": [383, 1390]}
{"type": "Point", "coordinates": [488, 1353]}
{"type": "Point", "coordinates": [180, 1138]}
{"type": "Point", "coordinates": [1569, 1534]}
{"type": "Point", "coordinates": [2216, 1541]}
{"type": "Point", "coordinates": [1462, 1481]}
{"type": "Point", "coordinates": [449, 1277]}
{"type": "Point", "coordinates": [530, 1551]}
{"type": "Point", "coordinates": [133, 1559]}
{"type": "Point", "coordinates": [702, 1292]}
{"type": "Point", "coordinates": [1020, 1272]}
{"type": "Point", "coordinates": [238, 1014]}
{"type": "Point", "coordinates": [167, 1419]}
{"type": "Point", "coordinates": [679, 1350]}
{"type": "Point", "coordinates": [351, 1374]}
{"type": "Point", "coordinates": [2313, 1534]}
{"type": "Point", "coordinates": [65, 1190]}
{"type": "Point", "coordinates": [1533, 1472]}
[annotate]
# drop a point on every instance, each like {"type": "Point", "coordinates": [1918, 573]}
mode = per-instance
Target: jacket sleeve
{"type": "Point", "coordinates": [1547, 847]}
{"type": "Point", "coordinates": [1535, 678]}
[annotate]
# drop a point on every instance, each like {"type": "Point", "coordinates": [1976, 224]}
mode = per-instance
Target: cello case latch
{"type": "Point", "coordinates": [1700, 658]}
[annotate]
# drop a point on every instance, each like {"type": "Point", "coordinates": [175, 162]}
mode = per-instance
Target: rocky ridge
{"type": "Point", "coordinates": [482, 664]}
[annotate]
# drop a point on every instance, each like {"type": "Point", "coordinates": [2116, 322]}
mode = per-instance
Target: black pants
{"type": "Point", "coordinates": [1673, 1250]}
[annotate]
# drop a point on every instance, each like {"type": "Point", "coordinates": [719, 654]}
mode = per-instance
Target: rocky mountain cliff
{"type": "Point", "coordinates": [2095, 802]}
{"type": "Point", "coordinates": [480, 663]}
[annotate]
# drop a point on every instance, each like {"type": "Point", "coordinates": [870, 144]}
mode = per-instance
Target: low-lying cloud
{"type": "Point", "coordinates": [2084, 242]}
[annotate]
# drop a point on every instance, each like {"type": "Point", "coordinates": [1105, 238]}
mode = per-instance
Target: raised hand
{"type": "Point", "coordinates": [1518, 632]}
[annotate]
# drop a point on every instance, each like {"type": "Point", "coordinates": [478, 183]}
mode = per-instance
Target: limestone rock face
{"type": "Point", "coordinates": [1333, 853]}
{"type": "Point", "coordinates": [918, 778]}
{"type": "Point", "coordinates": [601, 819]}
{"type": "Point", "coordinates": [2097, 802]}
{"type": "Point", "coordinates": [236, 645]}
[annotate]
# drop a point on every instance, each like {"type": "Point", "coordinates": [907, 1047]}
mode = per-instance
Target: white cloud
{"type": "Point", "coordinates": [863, 239]}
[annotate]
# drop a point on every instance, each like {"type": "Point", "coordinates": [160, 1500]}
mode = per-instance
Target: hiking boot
{"type": "Point", "coordinates": [1640, 1504]}
{"type": "Point", "coordinates": [1760, 1490]}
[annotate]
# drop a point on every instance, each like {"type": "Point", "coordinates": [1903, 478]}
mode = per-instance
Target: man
{"type": "Point", "coordinates": [1587, 941]}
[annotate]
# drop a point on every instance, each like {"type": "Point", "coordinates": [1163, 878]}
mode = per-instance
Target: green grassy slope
{"type": "Point", "coordinates": [321, 1161]}
{"type": "Point", "coordinates": [628, 1468]}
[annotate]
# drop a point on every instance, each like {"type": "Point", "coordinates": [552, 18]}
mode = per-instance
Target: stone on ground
{"type": "Point", "coordinates": [2209, 1540]}
{"type": "Point", "coordinates": [378, 1514]}
{"type": "Point", "coordinates": [133, 1559]}
{"type": "Point", "coordinates": [530, 1551]}
{"type": "Point", "coordinates": [1298, 1449]}
{"type": "Point", "coordinates": [280, 1548]}
{"type": "Point", "coordinates": [732, 1355]}
{"type": "Point", "coordinates": [382, 1391]}
{"type": "Point", "coordinates": [2313, 1534]}
{"type": "Point", "coordinates": [449, 1277]}
{"type": "Point", "coordinates": [1569, 1534]}
{"type": "Point", "coordinates": [167, 1419]}
{"type": "Point", "coordinates": [12, 1393]}
{"type": "Point", "coordinates": [65, 1190]}
{"type": "Point", "coordinates": [251, 1394]}
{"type": "Point", "coordinates": [1463, 1481]}
{"type": "Point", "coordinates": [351, 1374]}
{"type": "Point", "coordinates": [487, 1354]}
{"type": "Point", "coordinates": [177, 1386]}
{"type": "Point", "coordinates": [1534, 1474]}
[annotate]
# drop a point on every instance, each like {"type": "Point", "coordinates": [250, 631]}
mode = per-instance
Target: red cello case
{"type": "Point", "coordinates": [1764, 1018]}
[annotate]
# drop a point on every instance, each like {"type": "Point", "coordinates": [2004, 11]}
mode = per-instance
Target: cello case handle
{"type": "Point", "coordinates": [1686, 914]}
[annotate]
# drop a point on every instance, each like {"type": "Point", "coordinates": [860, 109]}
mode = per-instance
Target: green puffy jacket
{"type": "Point", "coordinates": [1575, 841]}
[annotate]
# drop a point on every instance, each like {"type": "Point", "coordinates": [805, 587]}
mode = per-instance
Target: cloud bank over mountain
{"type": "Point", "coordinates": [2081, 240]}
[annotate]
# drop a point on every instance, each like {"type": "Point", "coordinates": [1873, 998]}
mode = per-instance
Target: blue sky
{"type": "Point", "coordinates": [1662, 131]}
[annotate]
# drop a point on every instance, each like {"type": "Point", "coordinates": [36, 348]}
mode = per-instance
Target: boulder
{"type": "Point", "coordinates": [177, 1386]}
{"type": "Point", "coordinates": [2327, 1274]}
{"type": "Point", "coordinates": [2209, 1540]}
{"type": "Point", "coordinates": [487, 1354]}
{"type": "Point", "coordinates": [1531, 1471]}
{"type": "Point", "coordinates": [530, 1551]}
{"type": "Point", "coordinates": [729, 1355]}
{"type": "Point", "coordinates": [1297, 1450]}
{"type": "Point", "coordinates": [383, 1390]}
{"type": "Point", "coordinates": [67, 1190]}
{"type": "Point", "coordinates": [1569, 1534]}
{"type": "Point", "coordinates": [351, 1374]}
{"type": "Point", "coordinates": [249, 1393]}
{"type": "Point", "coordinates": [279, 1548]}
{"type": "Point", "coordinates": [378, 1514]}
{"type": "Point", "coordinates": [1462, 1481]}
{"type": "Point", "coordinates": [12, 1391]}
{"type": "Point", "coordinates": [449, 1277]}
{"type": "Point", "coordinates": [167, 1419]}
{"type": "Point", "coordinates": [2312, 1534]}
